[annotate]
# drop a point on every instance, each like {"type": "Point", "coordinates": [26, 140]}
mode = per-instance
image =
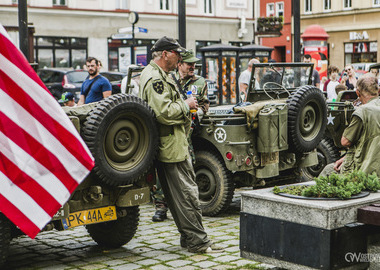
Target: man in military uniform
{"type": "Point", "coordinates": [186, 80]}
{"type": "Point", "coordinates": [174, 166]}
{"type": "Point", "coordinates": [362, 136]}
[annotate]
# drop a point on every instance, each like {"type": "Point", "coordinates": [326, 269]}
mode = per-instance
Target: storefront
{"type": "Point", "coordinates": [360, 52]}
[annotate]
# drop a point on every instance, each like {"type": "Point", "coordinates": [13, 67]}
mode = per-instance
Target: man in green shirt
{"type": "Point", "coordinates": [362, 136]}
{"type": "Point", "coordinates": [174, 166]}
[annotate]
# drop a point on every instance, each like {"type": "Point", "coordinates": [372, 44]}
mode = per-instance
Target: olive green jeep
{"type": "Point", "coordinates": [121, 133]}
{"type": "Point", "coordinates": [269, 138]}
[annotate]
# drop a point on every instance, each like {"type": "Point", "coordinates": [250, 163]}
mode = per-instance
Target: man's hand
{"type": "Point", "coordinates": [345, 142]}
{"type": "Point", "coordinates": [81, 100]}
{"type": "Point", "coordinates": [338, 164]}
{"type": "Point", "coordinates": [192, 103]}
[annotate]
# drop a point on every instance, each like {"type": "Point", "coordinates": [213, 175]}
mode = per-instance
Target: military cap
{"type": "Point", "coordinates": [188, 57]}
{"type": "Point", "coordinates": [167, 44]}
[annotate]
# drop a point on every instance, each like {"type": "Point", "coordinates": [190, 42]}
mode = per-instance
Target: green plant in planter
{"type": "Point", "coordinates": [341, 186]}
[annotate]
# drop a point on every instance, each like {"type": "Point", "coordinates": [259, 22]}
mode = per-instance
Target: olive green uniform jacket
{"type": "Point", "coordinates": [198, 87]}
{"type": "Point", "coordinates": [365, 151]}
{"type": "Point", "coordinates": [172, 113]}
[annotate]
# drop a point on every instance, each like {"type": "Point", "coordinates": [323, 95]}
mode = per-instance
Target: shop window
{"type": "Point", "coordinates": [208, 7]}
{"type": "Point", "coordinates": [360, 52]}
{"type": "Point", "coordinates": [59, 3]}
{"type": "Point", "coordinates": [270, 9]}
{"type": "Point", "coordinates": [122, 4]}
{"type": "Point", "coordinates": [62, 58]}
{"type": "Point", "coordinates": [376, 3]}
{"type": "Point", "coordinates": [165, 5]}
{"type": "Point", "coordinates": [279, 9]}
{"type": "Point", "coordinates": [327, 5]}
{"type": "Point", "coordinates": [60, 51]}
{"type": "Point", "coordinates": [347, 4]}
{"type": "Point", "coordinates": [308, 8]}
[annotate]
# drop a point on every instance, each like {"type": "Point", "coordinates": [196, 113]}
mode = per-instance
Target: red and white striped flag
{"type": "Point", "coordinates": [42, 157]}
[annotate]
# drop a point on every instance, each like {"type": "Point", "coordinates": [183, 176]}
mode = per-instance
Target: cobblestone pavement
{"type": "Point", "coordinates": [155, 246]}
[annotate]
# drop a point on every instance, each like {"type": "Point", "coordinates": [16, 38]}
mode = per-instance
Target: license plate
{"type": "Point", "coordinates": [269, 158]}
{"type": "Point", "coordinates": [89, 217]}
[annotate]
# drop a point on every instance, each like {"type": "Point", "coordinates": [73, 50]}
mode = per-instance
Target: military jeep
{"type": "Point", "coordinates": [268, 139]}
{"type": "Point", "coordinates": [121, 133]}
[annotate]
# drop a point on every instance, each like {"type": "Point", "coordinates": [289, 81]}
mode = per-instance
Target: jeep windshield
{"type": "Point", "coordinates": [290, 76]}
{"type": "Point", "coordinates": [277, 80]}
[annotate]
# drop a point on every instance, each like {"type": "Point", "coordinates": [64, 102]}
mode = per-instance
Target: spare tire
{"type": "Point", "coordinates": [307, 118]}
{"type": "Point", "coordinates": [122, 135]}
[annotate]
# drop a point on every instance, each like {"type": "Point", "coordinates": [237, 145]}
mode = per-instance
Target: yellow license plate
{"type": "Point", "coordinates": [89, 217]}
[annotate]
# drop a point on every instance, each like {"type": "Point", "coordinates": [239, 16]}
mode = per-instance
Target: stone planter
{"type": "Point", "coordinates": [302, 234]}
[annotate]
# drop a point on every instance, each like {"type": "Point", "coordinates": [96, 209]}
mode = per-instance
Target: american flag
{"type": "Point", "coordinates": [42, 157]}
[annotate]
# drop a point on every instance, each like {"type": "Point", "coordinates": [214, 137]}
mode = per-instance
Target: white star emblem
{"type": "Point", "coordinates": [220, 135]}
{"type": "Point", "coordinates": [330, 119]}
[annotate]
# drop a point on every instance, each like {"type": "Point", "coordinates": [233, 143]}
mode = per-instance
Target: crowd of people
{"type": "Point", "coordinates": [337, 80]}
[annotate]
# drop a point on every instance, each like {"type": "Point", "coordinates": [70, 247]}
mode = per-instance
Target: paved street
{"type": "Point", "coordinates": [155, 246]}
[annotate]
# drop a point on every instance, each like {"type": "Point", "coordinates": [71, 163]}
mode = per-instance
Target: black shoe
{"type": "Point", "coordinates": [159, 216]}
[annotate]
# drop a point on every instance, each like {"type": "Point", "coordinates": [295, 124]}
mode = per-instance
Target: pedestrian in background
{"type": "Point", "coordinates": [330, 88]}
{"type": "Point", "coordinates": [244, 78]}
{"type": "Point", "coordinates": [174, 166]}
{"type": "Point", "coordinates": [315, 75]}
{"type": "Point", "coordinates": [95, 87]}
{"type": "Point", "coordinates": [67, 99]}
{"type": "Point", "coordinates": [349, 77]}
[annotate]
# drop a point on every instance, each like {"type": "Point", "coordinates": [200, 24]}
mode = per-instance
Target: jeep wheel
{"type": "Point", "coordinates": [5, 238]}
{"type": "Point", "coordinates": [114, 234]}
{"type": "Point", "coordinates": [214, 181]}
{"type": "Point", "coordinates": [122, 136]}
{"type": "Point", "coordinates": [307, 118]}
{"type": "Point", "coordinates": [327, 153]}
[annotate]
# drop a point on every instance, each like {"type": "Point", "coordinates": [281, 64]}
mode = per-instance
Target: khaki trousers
{"type": "Point", "coordinates": [181, 193]}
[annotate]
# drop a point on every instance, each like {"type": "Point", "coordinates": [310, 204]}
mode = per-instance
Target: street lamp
{"type": "Point", "coordinates": [133, 19]}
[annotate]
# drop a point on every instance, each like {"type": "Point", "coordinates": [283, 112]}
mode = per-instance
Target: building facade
{"type": "Point", "coordinates": [353, 28]}
{"type": "Point", "coordinates": [282, 44]}
{"type": "Point", "coordinates": [67, 31]}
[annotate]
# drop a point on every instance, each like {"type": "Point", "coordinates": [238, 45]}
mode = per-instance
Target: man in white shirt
{"type": "Point", "coordinates": [244, 78]}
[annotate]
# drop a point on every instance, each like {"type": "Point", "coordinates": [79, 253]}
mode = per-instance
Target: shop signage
{"type": "Point", "coordinates": [359, 36]}
{"type": "Point", "coordinates": [236, 3]}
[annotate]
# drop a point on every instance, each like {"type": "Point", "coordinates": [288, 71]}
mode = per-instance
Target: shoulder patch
{"type": "Point", "coordinates": [158, 86]}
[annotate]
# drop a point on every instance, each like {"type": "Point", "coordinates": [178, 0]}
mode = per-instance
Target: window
{"type": "Point", "coordinates": [122, 4]}
{"type": "Point", "coordinates": [208, 6]}
{"type": "Point", "coordinates": [270, 9]}
{"type": "Point", "coordinates": [376, 3]}
{"type": "Point", "coordinates": [308, 8]}
{"type": "Point", "coordinates": [60, 51]}
{"type": "Point", "coordinates": [327, 5]}
{"type": "Point", "coordinates": [347, 4]}
{"type": "Point", "coordinates": [59, 3]}
{"type": "Point", "coordinates": [279, 9]}
{"type": "Point", "coordinates": [165, 5]}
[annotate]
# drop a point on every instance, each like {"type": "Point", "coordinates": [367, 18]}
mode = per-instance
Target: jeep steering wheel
{"type": "Point", "coordinates": [276, 92]}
